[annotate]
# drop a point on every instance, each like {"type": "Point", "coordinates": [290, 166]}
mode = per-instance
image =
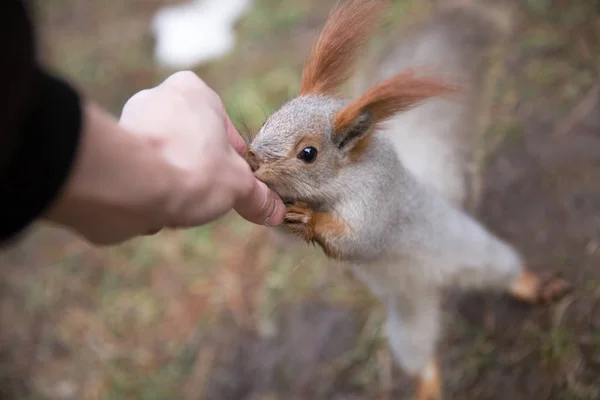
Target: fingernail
{"type": "Point", "coordinates": [277, 215]}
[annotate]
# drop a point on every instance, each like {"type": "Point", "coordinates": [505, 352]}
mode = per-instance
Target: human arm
{"type": "Point", "coordinates": [64, 159]}
{"type": "Point", "coordinates": [173, 160]}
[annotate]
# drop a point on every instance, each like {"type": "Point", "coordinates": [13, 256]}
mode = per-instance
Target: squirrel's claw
{"type": "Point", "coordinates": [298, 218]}
{"type": "Point", "coordinates": [552, 287]}
{"type": "Point", "coordinates": [540, 288]}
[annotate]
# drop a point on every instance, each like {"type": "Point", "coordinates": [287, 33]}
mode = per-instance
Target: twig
{"type": "Point", "coordinates": [195, 388]}
{"type": "Point", "coordinates": [580, 111]}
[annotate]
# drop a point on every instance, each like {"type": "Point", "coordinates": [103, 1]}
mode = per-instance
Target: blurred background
{"type": "Point", "coordinates": [225, 312]}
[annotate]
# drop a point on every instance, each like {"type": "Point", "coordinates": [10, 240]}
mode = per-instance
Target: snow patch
{"type": "Point", "coordinates": [192, 33]}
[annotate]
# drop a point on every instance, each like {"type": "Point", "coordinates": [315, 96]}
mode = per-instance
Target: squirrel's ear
{"type": "Point", "coordinates": [354, 124]}
{"type": "Point", "coordinates": [397, 94]}
{"type": "Point", "coordinates": [346, 137]}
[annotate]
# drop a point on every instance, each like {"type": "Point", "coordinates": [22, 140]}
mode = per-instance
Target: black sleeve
{"type": "Point", "coordinates": [40, 124]}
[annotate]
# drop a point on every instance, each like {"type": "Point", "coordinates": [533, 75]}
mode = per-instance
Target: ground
{"type": "Point", "coordinates": [222, 312]}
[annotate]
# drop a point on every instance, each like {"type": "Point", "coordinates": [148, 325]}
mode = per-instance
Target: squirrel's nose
{"type": "Point", "coordinates": [252, 161]}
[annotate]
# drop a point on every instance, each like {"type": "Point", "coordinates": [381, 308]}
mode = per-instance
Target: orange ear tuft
{"type": "Point", "coordinates": [333, 55]}
{"type": "Point", "coordinates": [396, 94]}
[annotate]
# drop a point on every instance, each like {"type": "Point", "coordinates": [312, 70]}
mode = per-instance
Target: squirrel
{"type": "Point", "coordinates": [381, 181]}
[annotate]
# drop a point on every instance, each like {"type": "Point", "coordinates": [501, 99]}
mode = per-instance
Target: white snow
{"type": "Point", "coordinates": [190, 34]}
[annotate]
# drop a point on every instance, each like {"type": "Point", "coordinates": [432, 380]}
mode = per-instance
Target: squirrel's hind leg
{"type": "Point", "coordinates": [492, 263]}
{"type": "Point", "coordinates": [413, 325]}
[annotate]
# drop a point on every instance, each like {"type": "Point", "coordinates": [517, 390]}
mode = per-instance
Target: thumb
{"type": "Point", "coordinates": [261, 206]}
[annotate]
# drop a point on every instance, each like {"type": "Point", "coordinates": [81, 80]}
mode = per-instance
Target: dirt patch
{"type": "Point", "coordinates": [291, 364]}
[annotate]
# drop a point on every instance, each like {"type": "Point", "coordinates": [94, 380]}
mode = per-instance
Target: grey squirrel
{"type": "Point", "coordinates": [382, 181]}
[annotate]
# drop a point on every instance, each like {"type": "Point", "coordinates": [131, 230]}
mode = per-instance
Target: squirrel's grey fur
{"type": "Point", "coordinates": [405, 200]}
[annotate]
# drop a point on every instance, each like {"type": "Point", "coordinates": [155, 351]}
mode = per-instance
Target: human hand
{"type": "Point", "coordinates": [186, 121]}
{"type": "Point", "coordinates": [173, 160]}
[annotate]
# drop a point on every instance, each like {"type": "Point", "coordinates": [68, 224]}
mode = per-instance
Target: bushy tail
{"type": "Point", "coordinates": [439, 141]}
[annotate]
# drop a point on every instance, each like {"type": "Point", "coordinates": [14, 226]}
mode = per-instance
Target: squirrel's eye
{"type": "Point", "coordinates": [308, 154]}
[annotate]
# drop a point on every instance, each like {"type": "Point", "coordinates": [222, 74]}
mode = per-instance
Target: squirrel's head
{"type": "Point", "coordinates": [302, 147]}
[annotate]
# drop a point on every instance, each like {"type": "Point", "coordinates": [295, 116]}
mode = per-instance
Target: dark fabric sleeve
{"type": "Point", "coordinates": [40, 124]}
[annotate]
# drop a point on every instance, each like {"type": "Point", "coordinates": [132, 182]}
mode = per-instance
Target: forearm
{"type": "Point", "coordinates": [116, 175]}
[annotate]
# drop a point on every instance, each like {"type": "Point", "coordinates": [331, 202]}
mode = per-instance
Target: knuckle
{"type": "Point", "coordinates": [190, 83]}
{"type": "Point", "coordinates": [182, 77]}
{"type": "Point", "coordinates": [137, 98]}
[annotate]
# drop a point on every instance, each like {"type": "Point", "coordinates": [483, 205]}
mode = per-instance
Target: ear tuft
{"type": "Point", "coordinates": [334, 54]}
{"type": "Point", "coordinates": [396, 94]}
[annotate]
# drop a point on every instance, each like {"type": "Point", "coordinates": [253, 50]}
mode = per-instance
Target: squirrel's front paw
{"type": "Point", "coordinates": [299, 219]}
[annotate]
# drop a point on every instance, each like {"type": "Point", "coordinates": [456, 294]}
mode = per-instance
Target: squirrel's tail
{"type": "Point", "coordinates": [439, 140]}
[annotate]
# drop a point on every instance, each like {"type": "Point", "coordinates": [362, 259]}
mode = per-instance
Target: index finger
{"type": "Point", "coordinates": [234, 138]}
